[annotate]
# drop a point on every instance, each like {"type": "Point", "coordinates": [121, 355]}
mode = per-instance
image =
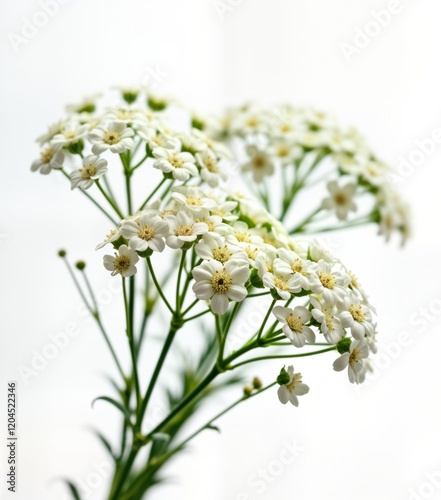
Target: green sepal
{"type": "Point", "coordinates": [156, 105]}
{"type": "Point", "coordinates": [76, 148]}
{"type": "Point", "coordinates": [283, 378]}
{"type": "Point", "coordinates": [146, 253]}
{"type": "Point", "coordinates": [343, 345]}
{"type": "Point", "coordinates": [129, 97]}
{"type": "Point", "coordinates": [255, 279]}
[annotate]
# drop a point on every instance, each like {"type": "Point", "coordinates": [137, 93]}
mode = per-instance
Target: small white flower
{"type": "Point", "coordinates": [289, 262]}
{"type": "Point", "coordinates": [180, 165]}
{"type": "Point", "coordinates": [330, 282]}
{"type": "Point", "coordinates": [220, 283]}
{"type": "Point", "coordinates": [330, 325]}
{"type": "Point", "coordinates": [49, 159]}
{"type": "Point", "coordinates": [341, 199]}
{"type": "Point", "coordinates": [183, 229]}
{"type": "Point", "coordinates": [52, 131]}
{"type": "Point", "coordinates": [115, 136]}
{"type": "Point", "coordinates": [123, 262]}
{"type": "Point", "coordinates": [147, 231]}
{"type": "Point", "coordinates": [294, 324]}
{"type": "Point", "coordinates": [295, 387]}
{"type": "Point", "coordinates": [93, 168]}
{"type": "Point", "coordinates": [285, 151]}
{"type": "Point", "coordinates": [353, 360]}
{"type": "Point", "coordinates": [71, 132]}
{"type": "Point", "coordinates": [211, 172]}
{"type": "Point", "coordinates": [260, 164]}
{"type": "Point", "coordinates": [192, 198]}
{"type": "Point", "coordinates": [113, 235]}
{"type": "Point", "coordinates": [357, 317]}
{"type": "Point", "coordinates": [212, 247]}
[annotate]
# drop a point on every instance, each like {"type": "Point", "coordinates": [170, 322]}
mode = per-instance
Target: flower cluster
{"type": "Point", "coordinates": [139, 124]}
{"type": "Point", "coordinates": [239, 247]}
{"type": "Point", "coordinates": [295, 142]}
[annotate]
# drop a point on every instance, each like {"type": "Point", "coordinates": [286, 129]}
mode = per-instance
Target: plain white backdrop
{"type": "Point", "coordinates": [381, 442]}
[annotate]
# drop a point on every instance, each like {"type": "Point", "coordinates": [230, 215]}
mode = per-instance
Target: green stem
{"type": "Point", "coordinates": [150, 196]}
{"type": "Point", "coordinates": [309, 218]}
{"type": "Point", "coordinates": [282, 356]}
{"type": "Point", "coordinates": [180, 299]}
{"type": "Point", "coordinates": [87, 195]}
{"type": "Point", "coordinates": [131, 343]}
{"type": "Point", "coordinates": [158, 287]}
{"type": "Point", "coordinates": [109, 199]}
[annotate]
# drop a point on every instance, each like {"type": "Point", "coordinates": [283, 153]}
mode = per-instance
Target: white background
{"type": "Point", "coordinates": [376, 443]}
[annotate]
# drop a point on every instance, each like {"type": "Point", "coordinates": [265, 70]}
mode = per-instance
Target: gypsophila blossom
{"type": "Point", "coordinates": [181, 165]}
{"type": "Point", "coordinates": [183, 229]}
{"type": "Point", "coordinates": [294, 323]}
{"type": "Point", "coordinates": [93, 168]}
{"type": "Point", "coordinates": [148, 231]}
{"type": "Point", "coordinates": [353, 360]}
{"type": "Point", "coordinates": [340, 199]}
{"type": "Point", "coordinates": [123, 262]}
{"type": "Point", "coordinates": [114, 136]}
{"type": "Point", "coordinates": [220, 283]}
{"type": "Point", "coordinates": [49, 159]}
{"type": "Point", "coordinates": [292, 388]}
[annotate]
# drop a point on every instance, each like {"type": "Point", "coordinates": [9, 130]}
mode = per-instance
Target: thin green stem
{"type": "Point", "coordinates": [180, 299]}
{"type": "Point", "coordinates": [109, 199]}
{"type": "Point", "coordinates": [191, 318]}
{"type": "Point", "coordinates": [305, 221]}
{"type": "Point", "coordinates": [158, 286]}
{"type": "Point", "coordinates": [131, 343]}
{"type": "Point", "coordinates": [150, 196]}
{"type": "Point", "coordinates": [259, 335]}
{"type": "Point", "coordinates": [282, 356]}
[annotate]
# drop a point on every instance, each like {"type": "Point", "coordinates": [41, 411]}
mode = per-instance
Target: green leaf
{"type": "Point", "coordinates": [116, 404]}
{"type": "Point", "coordinates": [104, 442]}
{"type": "Point", "coordinates": [73, 489]}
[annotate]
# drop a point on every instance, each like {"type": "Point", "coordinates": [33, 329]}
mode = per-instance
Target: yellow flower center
{"type": "Point", "coordinates": [222, 254]}
{"type": "Point", "coordinates": [121, 263]}
{"type": "Point", "coordinates": [221, 282]}
{"type": "Point", "coordinates": [243, 237]}
{"type": "Point", "coordinates": [329, 319]}
{"type": "Point", "coordinates": [46, 155]}
{"type": "Point", "coordinates": [193, 201]}
{"type": "Point", "coordinates": [340, 199]}
{"type": "Point", "coordinates": [146, 232]}
{"type": "Point", "coordinates": [294, 322]}
{"type": "Point", "coordinates": [354, 357]}
{"type": "Point", "coordinates": [357, 313]}
{"type": "Point", "coordinates": [211, 165]}
{"type": "Point", "coordinates": [281, 283]}
{"type": "Point", "coordinates": [297, 267]}
{"type": "Point", "coordinates": [184, 230]}
{"type": "Point", "coordinates": [175, 161]}
{"type": "Point", "coordinates": [251, 252]}
{"type": "Point", "coordinates": [88, 171]}
{"type": "Point", "coordinates": [111, 137]}
{"type": "Point", "coordinates": [327, 280]}
{"type": "Point", "coordinates": [296, 379]}
{"type": "Point", "coordinates": [259, 161]}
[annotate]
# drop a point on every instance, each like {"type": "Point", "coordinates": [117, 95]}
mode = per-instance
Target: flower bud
{"type": "Point", "coordinates": [257, 383]}
{"type": "Point", "coordinates": [62, 253]}
{"type": "Point", "coordinates": [80, 265]}
{"type": "Point", "coordinates": [247, 390]}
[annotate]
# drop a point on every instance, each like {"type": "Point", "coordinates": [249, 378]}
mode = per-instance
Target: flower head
{"type": "Point", "coordinates": [123, 262]}
{"type": "Point", "coordinates": [292, 386]}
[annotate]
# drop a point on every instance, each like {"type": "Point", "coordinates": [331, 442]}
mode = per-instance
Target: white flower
{"type": "Point", "coordinates": [294, 321]}
{"type": "Point", "coordinates": [353, 360]}
{"type": "Point", "coordinates": [260, 164]}
{"type": "Point", "coordinates": [180, 165]}
{"type": "Point", "coordinates": [285, 151]}
{"type": "Point", "coordinates": [147, 231]}
{"type": "Point", "coordinates": [220, 283]}
{"type": "Point", "coordinates": [113, 235]}
{"type": "Point", "coordinates": [292, 389]}
{"type": "Point", "coordinates": [283, 284]}
{"type": "Point", "coordinates": [211, 172]}
{"type": "Point", "coordinates": [192, 198]}
{"type": "Point", "coordinates": [330, 325]}
{"type": "Point", "coordinates": [183, 229]}
{"type": "Point", "coordinates": [71, 132]}
{"type": "Point", "coordinates": [93, 168]}
{"type": "Point", "coordinates": [122, 263]}
{"type": "Point", "coordinates": [52, 130]}
{"type": "Point", "coordinates": [341, 199]}
{"type": "Point", "coordinates": [216, 248]}
{"type": "Point", "coordinates": [115, 136]}
{"type": "Point", "coordinates": [330, 282]}
{"type": "Point", "coordinates": [289, 262]}
{"type": "Point", "coordinates": [357, 317]}
{"type": "Point", "coordinates": [49, 159]}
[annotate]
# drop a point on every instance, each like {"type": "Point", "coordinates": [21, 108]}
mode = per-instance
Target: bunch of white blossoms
{"type": "Point", "coordinates": [294, 142]}
{"type": "Point", "coordinates": [138, 124]}
{"type": "Point", "coordinates": [239, 248]}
